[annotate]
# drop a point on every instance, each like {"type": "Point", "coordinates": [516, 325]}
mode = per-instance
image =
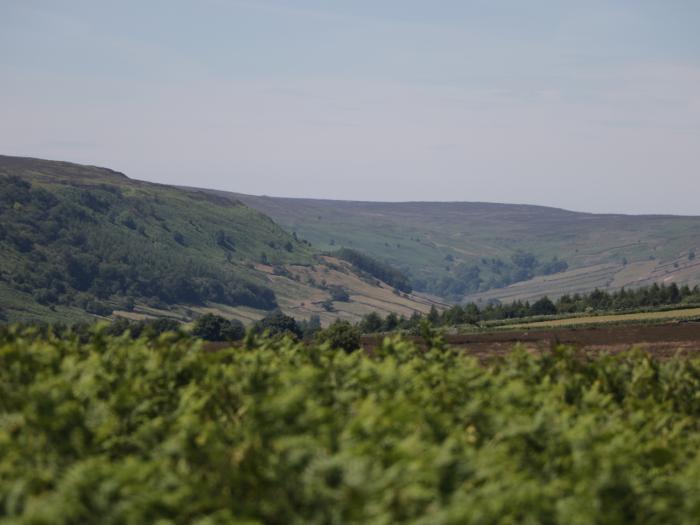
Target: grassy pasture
{"type": "Point", "coordinates": [639, 317]}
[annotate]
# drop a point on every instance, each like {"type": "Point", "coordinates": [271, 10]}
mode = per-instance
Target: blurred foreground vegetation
{"type": "Point", "coordinates": [115, 430]}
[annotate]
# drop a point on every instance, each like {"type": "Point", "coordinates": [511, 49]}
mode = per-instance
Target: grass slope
{"type": "Point", "coordinates": [431, 241]}
{"type": "Point", "coordinates": [79, 240]}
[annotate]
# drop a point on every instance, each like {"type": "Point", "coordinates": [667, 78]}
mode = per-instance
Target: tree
{"type": "Point", "coordinates": [524, 260]}
{"type": "Point", "coordinates": [543, 306]}
{"type": "Point", "coordinates": [221, 239]}
{"type": "Point", "coordinates": [376, 269]}
{"type": "Point", "coordinates": [148, 328]}
{"type": "Point", "coordinates": [471, 313]}
{"type": "Point", "coordinates": [277, 323]}
{"type": "Point", "coordinates": [454, 315]}
{"type": "Point", "coordinates": [371, 323]}
{"type": "Point", "coordinates": [310, 327]}
{"type": "Point", "coordinates": [340, 335]}
{"type": "Point", "coordinates": [673, 294]}
{"type": "Point", "coordinates": [339, 294]}
{"type": "Point", "coordinates": [391, 322]}
{"type": "Point", "coordinates": [554, 266]}
{"type": "Point", "coordinates": [434, 315]}
{"type": "Point", "coordinates": [155, 327]}
{"type": "Point", "coordinates": [212, 327]}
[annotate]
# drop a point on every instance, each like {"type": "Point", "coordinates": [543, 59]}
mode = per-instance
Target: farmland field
{"type": "Point", "coordinates": [662, 334]}
{"type": "Point", "coordinates": [614, 318]}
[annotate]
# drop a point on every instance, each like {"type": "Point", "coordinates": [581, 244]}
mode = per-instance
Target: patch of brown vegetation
{"type": "Point", "coordinates": [662, 340]}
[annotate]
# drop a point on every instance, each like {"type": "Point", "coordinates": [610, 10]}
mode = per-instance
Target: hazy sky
{"type": "Point", "coordinates": [591, 105]}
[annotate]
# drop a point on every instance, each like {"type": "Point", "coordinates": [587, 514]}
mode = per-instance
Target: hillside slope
{"type": "Point", "coordinates": [481, 251]}
{"type": "Point", "coordinates": [79, 240]}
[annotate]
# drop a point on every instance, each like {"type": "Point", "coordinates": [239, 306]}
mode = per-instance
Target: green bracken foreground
{"type": "Point", "coordinates": [113, 430]}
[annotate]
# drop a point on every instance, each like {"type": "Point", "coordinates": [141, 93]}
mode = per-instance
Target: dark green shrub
{"type": "Point", "coordinates": [543, 306]}
{"type": "Point", "coordinates": [371, 323]}
{"type": "Point", "coordinates": [211, 327]}
{"type": "Point", "coordinates": [339, 294]}
{"type": "Point", "coordinates": [341, 335]}
{"type": "Point", "coordinates": [277, 323]}
{"type": "Point", "coordinates": [310, 327]}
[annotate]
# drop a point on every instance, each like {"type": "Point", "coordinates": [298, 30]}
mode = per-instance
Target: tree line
{"type": "Point", "coordinates": [653, 296]}
{"type": "Point", "coordinates": [340, 335]}
{"type": "Point", "coordinates": [343, 335]}
{"type": "Point", "coordinates": [463, 278]}
{"type": "Point", "coordinates": [377, 269]}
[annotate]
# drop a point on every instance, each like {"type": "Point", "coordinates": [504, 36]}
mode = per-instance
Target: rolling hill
{"type": "Point", "coordinates": [466, 251]}
{"type": "Point", "coordinates": [80, 241]}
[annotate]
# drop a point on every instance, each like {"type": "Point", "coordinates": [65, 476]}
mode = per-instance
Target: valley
{"type": "Point", "coordinates": [463, 250]}
{"type": "Point", "coordinates": [81, 242]}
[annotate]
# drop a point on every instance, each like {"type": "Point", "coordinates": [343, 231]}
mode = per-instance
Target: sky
{"type": "Point", "coordinates": [591, 106]}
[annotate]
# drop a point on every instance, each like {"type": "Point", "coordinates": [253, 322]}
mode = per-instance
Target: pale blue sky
{"type": "Point", "coordinates": [590, 105]}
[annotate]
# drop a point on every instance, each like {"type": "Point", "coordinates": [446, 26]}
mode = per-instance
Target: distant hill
{"type": "Point", "coordinates": [480, 251]}
{"type": "Point", "coordinates": [79, 241]}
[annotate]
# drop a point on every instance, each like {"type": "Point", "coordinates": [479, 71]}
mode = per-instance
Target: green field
{"type": "Point", "coordinates": [639, 317]}
{"type": "Point", "coordinates": [119, 431]}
